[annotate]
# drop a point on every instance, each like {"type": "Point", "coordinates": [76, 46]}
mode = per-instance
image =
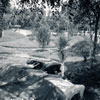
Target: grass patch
{"type": "Point", "coordinates": [9, 35]}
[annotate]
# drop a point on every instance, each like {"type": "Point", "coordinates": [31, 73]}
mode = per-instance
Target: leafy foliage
{"type": "Point", "coordinates": [5, 2]}
{"type": "Point", "coordinates": [62, 42]}
{"type": "Point", "coordinates": [52, 23]}
{"type": "Point", "coordinates": [87, 12]}
{"type": "Point", "coordinates": [43, 35]}
{"type": "Point", "coordinates": [81, 49]}
{"type": "Point", "coordinates": [81, 73]}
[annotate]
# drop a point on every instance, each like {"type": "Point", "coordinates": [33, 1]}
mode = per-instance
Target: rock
{"type": "Point", "coordinates": [37, 85]}
{"type": "Point", "coordinates": [53, 68]}
{"type": "Point", "coordinates": [36, 64]}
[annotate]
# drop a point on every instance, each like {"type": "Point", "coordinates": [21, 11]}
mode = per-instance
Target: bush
{"type": "Point", "coordinates": [82, 49]}
{"type": "Point", "coordinates": [7, 21]}
{"type": "Point", "coordinates": [43, 35]}
{"type": "Point", "coordinates": [62, 43]}
{"type": "Point", "coordinates": [82, 73]}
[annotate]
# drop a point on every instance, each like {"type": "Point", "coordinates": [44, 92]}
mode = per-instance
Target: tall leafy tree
{"type": "Point", "coordinates": [62, 44]}
{"type": "Point", "coordinates": [3, 5]}
{"type": "Point", "coordinates": [88, 11]}
{"type": "Point", "coordinates": [31, 3]}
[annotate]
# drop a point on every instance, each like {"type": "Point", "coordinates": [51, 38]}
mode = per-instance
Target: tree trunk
{"type": "Point", "coordinates": [62, 55]}
{"type": "Point", "coordinates": [1, 17]}
{"type": "Point", "coordinates": [62, 69]}
{"type": "Point", "coordinates": [62, 64]}
{"type": "Point", "coordinates": [95, 38]}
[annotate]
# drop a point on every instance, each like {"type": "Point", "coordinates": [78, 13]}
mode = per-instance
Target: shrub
{"type": "Point", "coordinates": [43, 35]}
{"type": "Point", "coordinates": [82, 73]}
{"type": "Point", "coordinates": [62, 43]}
{"type": "Point", "coordinates": [82, 49]}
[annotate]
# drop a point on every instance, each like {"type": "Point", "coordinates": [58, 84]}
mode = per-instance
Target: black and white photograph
{"type": "Point", "coordinates": [49, 49]}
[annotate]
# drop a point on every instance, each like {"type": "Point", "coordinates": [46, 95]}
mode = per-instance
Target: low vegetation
{"type": "Point", "coordinates": [43, 36]}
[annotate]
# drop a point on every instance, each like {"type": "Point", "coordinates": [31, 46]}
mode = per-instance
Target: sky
{"type": "Point", "coordinates": [47, 9]}
{"type": "Point", "coordinates": [13, 2]}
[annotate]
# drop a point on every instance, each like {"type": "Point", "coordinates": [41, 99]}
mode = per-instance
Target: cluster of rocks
{"type": "Point", "coordinates": [21, 82]}
{"type": "Point", "coordinates": [51, 68]}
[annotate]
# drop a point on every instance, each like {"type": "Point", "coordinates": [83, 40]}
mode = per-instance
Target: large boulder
{"type": "Point", "coordinates": [28, 84]}
{"type": "Point", "coordinates": [50, 68]}
{"type": "Point", "coordinates": [53, 68]}
{"type": "Point", "coordinates": [36, 64]}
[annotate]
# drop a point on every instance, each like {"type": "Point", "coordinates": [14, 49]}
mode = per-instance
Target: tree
{"type": "Point", "coordinates": [32, 4]}
{"type": "Point", "coordinates": [3, 5]}
{"type": "Point", "coordinates": [89, 10]}
{"type": "Point", "coordinates": [52, 22]}
{"type": "Point", "coordinates": [61, 44]}
{"type": "Point", "coordinates": [43, 35]}
{"type": "Point", "coordinates": [82, 48]}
